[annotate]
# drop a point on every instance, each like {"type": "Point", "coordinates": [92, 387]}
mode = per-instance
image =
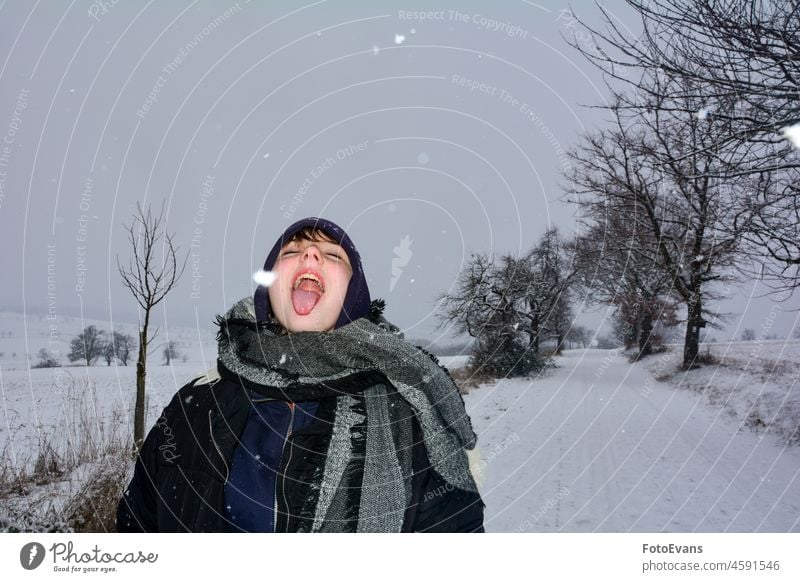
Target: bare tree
{"type": "Point", "coordinates": [152, 272]}
{"type": "Point", "coordinates": [108, 351]}
{"type": "Point", "coordinates": [737, 59]}
{"type": "Point", "coordinates": [87, 345]}
{"type": "Point", "coordinates": [579, 335]}
{"type": "Point", "coordinates": [510, 302]}
{"type": "Point", "coordinates": [736, 62]}
{"type": "Point", "coordinates": [123, 346]}
{"type": "Point", "coordinates": [771, 231]}
{"type": "Point", "coordinates": [548, 294]}
{"type": "Point", "coordinates": [653, 169]}
{"type": "Point", "coordinates": [170, 352]}
{"type": "Point", "coordinates": [619, 265]}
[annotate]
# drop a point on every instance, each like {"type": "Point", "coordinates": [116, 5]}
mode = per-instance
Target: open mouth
{"type": "Point", "coordinates": [306, 293]}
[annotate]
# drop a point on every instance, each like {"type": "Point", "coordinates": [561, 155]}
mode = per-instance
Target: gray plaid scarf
{"type": "Point", "coordinates": [259, 353]}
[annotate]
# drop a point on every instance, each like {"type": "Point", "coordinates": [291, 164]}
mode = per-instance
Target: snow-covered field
{"type": "Point", "coordinates": [62, 402]}
{"type": "Point", "coordinates": [596, 444]}
{"type": "Point", "coordinates": [21, 338]}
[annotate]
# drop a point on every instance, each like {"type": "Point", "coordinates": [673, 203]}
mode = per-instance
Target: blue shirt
{"type": "Point", "coordinates": [250, 489]}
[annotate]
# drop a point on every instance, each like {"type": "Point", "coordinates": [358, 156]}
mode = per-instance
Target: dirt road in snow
{"type": "Point", "coordinates": [598, 445]}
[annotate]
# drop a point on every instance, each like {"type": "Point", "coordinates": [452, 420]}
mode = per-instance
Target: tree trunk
{"type": "Point", "coordinates": [141, 373]}
{"type": "Point", "coordinates": [694, 321]}
{"type": "Point", "coordinates": [560, 344]}
{"type": "Point", "coordinates": [533, 343]}
{"type": "Point", "coordinates": [632, 338]}
{"type": "Point", "coordinates": [645, 334]}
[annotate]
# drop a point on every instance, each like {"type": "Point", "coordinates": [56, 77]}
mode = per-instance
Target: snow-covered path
{"type": "Point", "coordinates": [598, 445]}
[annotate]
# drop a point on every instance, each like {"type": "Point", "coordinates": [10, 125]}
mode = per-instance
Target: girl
{"type": "Point", "coordinates": [319, 416]}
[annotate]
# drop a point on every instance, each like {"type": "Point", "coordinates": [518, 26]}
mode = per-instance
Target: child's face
{"type": "Point", "coordinates": [300, 304]}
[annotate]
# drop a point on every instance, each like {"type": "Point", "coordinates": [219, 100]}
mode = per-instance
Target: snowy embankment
{"type": "Point", "coordinates": [599, 445]}
{"type": "Point", "coordinates": [755, 383]}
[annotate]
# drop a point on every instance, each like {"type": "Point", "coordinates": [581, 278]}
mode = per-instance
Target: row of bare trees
{"type": "Point", "coordinates": [91, 344]}
{"type": "Point", "coordinates": [692, 184]}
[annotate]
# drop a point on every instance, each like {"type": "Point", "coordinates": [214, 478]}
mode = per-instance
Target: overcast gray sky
{"type": "Point", "coordinates": [427, 132]}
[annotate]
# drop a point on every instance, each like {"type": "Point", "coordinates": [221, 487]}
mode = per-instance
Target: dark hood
{"type": "Point", "coordinates": [357, 299]}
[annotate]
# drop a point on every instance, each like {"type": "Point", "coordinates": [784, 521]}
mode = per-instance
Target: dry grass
{"type": "Point", "coordinates": [94, 507]}
{"type": "Point", "coordinates": [466, 379]}
{"type": "Point", "coordinates": [71, 480]}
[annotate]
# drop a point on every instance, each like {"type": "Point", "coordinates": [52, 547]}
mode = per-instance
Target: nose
{"type": "Point", "coordinates": [312, 251]}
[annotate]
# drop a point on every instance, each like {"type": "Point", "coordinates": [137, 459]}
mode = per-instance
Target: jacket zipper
{"type": "Point", "coordinates": [283, 473]}
{"type": "Point", "coordinates": [216, 447]}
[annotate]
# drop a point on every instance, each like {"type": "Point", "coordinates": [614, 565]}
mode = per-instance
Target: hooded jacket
{"type": "Point", "coordinates": [185, 472]}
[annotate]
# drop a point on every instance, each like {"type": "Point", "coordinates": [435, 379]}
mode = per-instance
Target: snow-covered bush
{"type": "Point", "coordinates": [503, 356]}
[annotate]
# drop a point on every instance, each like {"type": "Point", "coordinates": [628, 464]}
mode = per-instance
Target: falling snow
{"type": "Point", "coordinates": [283, 359]}
{"type": "Point", "coordinates": [792, 133]}
{"type": "Point", "coordinates": [399, 38]}
{"type": "Point", "coordinates": [702, 114]}
{"type": "Point", "coordinates": [264, 278]}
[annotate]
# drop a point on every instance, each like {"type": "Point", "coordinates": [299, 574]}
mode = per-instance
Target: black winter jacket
{"type": "Point", "coordinates": [179, 478]}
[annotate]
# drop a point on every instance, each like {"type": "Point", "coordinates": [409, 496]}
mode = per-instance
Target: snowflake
{"type": "Point", "coordinates": [264, 278]}
{"type": "Point", "coordinates": [792, 133]}
{"type": "Point", "coordinates": [702, 113]}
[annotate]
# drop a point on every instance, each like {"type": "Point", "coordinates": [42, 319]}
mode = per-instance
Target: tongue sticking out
{"type": "Point", "coordinates": [305, 297]}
